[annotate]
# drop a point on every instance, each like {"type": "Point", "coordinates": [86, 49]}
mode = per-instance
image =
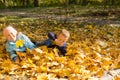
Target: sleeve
{"type": "Point", "coordinates": [11, 51]}
{"type": "Point", "coordinates": [13, 55]}
{"type": "Point", "coordinates": [63, 49]}
{"type": "Point", "coordinates": [28, 42]}
{"type": "Point", "coordinates": [40, 43]}
{"type": "Point", "coordinates": [51, 36]}
{"type": "Point", "coordinates": [47, 42]}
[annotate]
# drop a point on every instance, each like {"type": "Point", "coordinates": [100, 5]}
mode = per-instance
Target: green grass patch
{"type": "Point", "coordinates": [15, 19]}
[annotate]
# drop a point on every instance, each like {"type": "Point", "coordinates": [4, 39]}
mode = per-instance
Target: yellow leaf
{"type": "Point", "coordinates": [61, 59]}
{"type": "Point", "coordinates": [100, 73]}
{"type": "Point", "coordinates": [106, 62]}
{"type": "Point", "coordinates": [30, 61]}
{"type": "Point", "coordinates": [8, 77]}
{"type": "Point", "coordinates": [44, 48]}
{"type": "Point", "coordinates": [43, 68]}
{"type": "Point", "coordinates": [77, 70]}
{"type": "Point", "coordinates": [42, 77]}
{"type": "Point", "coordinates": [56, 51]}
{"type": "Point", "coordinates": [89, 27]}
{"type": "Point", "coordinates": [59, 72]}
{"type": "Point", "coordinates": [51, 56]}
{"type": "Point", "coordinates": [66, 71]}
{"type": "Point", "coordinates": [19, 43]}
{"type": "Point", "coordinates": [7, 65]}
{"type": "Point", "coordinates": [71, 63]}
{"type": "Point", "coordinates": [36, 57]}
{"type": "Point", "coordinates": [21, 55]}
{"type": "Point", "coordinates": [55, 22]}
{"type": "Point", "coordinates": [117, 77]}
{"type": "Point", "coordinates": [93, 68]}
{"type": "Point", "coordinates": [38, 50]}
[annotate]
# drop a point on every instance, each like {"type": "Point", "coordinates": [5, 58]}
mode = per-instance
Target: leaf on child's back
{"type": "Point", "coordinates": [19, 43]}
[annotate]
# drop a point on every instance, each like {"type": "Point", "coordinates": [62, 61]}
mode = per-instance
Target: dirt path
{"type": "Point", "coordinates": [88, 19]}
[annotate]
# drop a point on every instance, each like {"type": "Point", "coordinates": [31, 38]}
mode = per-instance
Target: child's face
{"type": "Point", "coordinates": [61, 39]}
{"type": "Point", "coordinates": [10, 34]}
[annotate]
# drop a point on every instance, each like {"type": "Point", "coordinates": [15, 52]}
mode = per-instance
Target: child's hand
{"type": "Point", "coordinates": [16, 60]}
{"type": "Point", "coordinates": [58, 43]}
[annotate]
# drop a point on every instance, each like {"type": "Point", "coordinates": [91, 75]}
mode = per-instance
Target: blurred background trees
{"type": "Point", "coordinates": [36, 3]}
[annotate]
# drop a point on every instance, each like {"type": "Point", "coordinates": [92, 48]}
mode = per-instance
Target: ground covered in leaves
{"type": "Point", "coordinates": [91, 51]}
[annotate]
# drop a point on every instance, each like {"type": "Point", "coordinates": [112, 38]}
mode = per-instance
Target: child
{"type": "Point", "coordinates": [56, 40]}
{"type": "Point", "coordinates": [16, 41]}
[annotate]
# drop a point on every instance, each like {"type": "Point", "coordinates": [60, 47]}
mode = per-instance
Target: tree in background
{"type": "Point", "coordinates": [36, 3]}
{"type": "Point", "coordinates": [26, 2]}
{"type": "Point", "coordinates": [84, 2]}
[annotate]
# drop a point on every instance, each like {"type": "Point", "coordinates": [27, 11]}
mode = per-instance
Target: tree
{"type": "Point", "coordinates": [35, 3]}
{"type": "Point", "coordinates": [84, 2]}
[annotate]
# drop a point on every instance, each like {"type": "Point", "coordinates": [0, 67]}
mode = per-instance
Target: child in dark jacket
{"type": "Point", "coordinates": [56, 40]}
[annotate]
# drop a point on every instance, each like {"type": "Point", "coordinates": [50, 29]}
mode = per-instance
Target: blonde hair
{"type": "Point", "coordinates": [65, 33]}
{"type": "Point", "coordinates": [9, 28]}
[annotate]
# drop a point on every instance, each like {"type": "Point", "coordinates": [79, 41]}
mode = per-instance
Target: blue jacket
{"type": "Point", "coordinates": [52, 36]}
{"type": "Point", "coordinates": [11, 46]}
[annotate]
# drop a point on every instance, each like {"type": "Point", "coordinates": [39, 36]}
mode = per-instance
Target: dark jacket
{"type": "Point", "coordinates": [50, 43]}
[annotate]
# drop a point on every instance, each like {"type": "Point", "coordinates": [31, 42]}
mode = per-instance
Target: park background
{"type": "Point", "coordinates": [93, 47]}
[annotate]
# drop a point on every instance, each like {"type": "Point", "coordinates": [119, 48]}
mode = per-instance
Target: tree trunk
{"type": "Point", "coordinates": [84, 2]}
{"type": "Point", "coordinates": [23, 2]}
{"type": "Point", "coordinates": [27, 2]}
{"type": "Point", "coordinates": [112, 2]}
{"type": "Point", "coordinates": [35, 3]}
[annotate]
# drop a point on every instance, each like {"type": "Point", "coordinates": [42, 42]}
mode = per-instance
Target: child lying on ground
{"type": "Point", "coordinates": [16, 41]}
{"type": "Point", "coordinates": [56, 40]}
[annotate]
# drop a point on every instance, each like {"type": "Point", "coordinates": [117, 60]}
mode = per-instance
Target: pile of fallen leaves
{"type": "Point", "coordinates": [92, 50]}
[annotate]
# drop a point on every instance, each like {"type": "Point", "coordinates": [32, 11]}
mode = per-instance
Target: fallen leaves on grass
{"type": "Point", "coordinates": [86, 59]}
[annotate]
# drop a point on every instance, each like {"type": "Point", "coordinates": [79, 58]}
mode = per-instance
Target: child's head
{"type": "Point", "coordinates": [10, 33]}
{"type": "Point", "coordinates": [62, 37]}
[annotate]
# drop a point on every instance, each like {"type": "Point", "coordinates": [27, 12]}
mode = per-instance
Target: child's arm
{"type": "Point", "coordinates": [40, 43]}
{"type": "Point", "coordinates": [27, 42]}
{"type": "Point", "coordinates": [13, 56]}
{"type": "Point", "coordinates": [63, 49]}
{"type": "Point", "coordinates": [47, 42]}
{"type": "Point", "coordinates": [10, 50]}
{"type": "Point", "coordinates": [51, 36]}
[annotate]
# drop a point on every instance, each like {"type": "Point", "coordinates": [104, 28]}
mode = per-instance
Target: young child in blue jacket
{"type": "Point", "coordinates": [16, 41]}
{"type": "Point", "coordinates": [56, 40]}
